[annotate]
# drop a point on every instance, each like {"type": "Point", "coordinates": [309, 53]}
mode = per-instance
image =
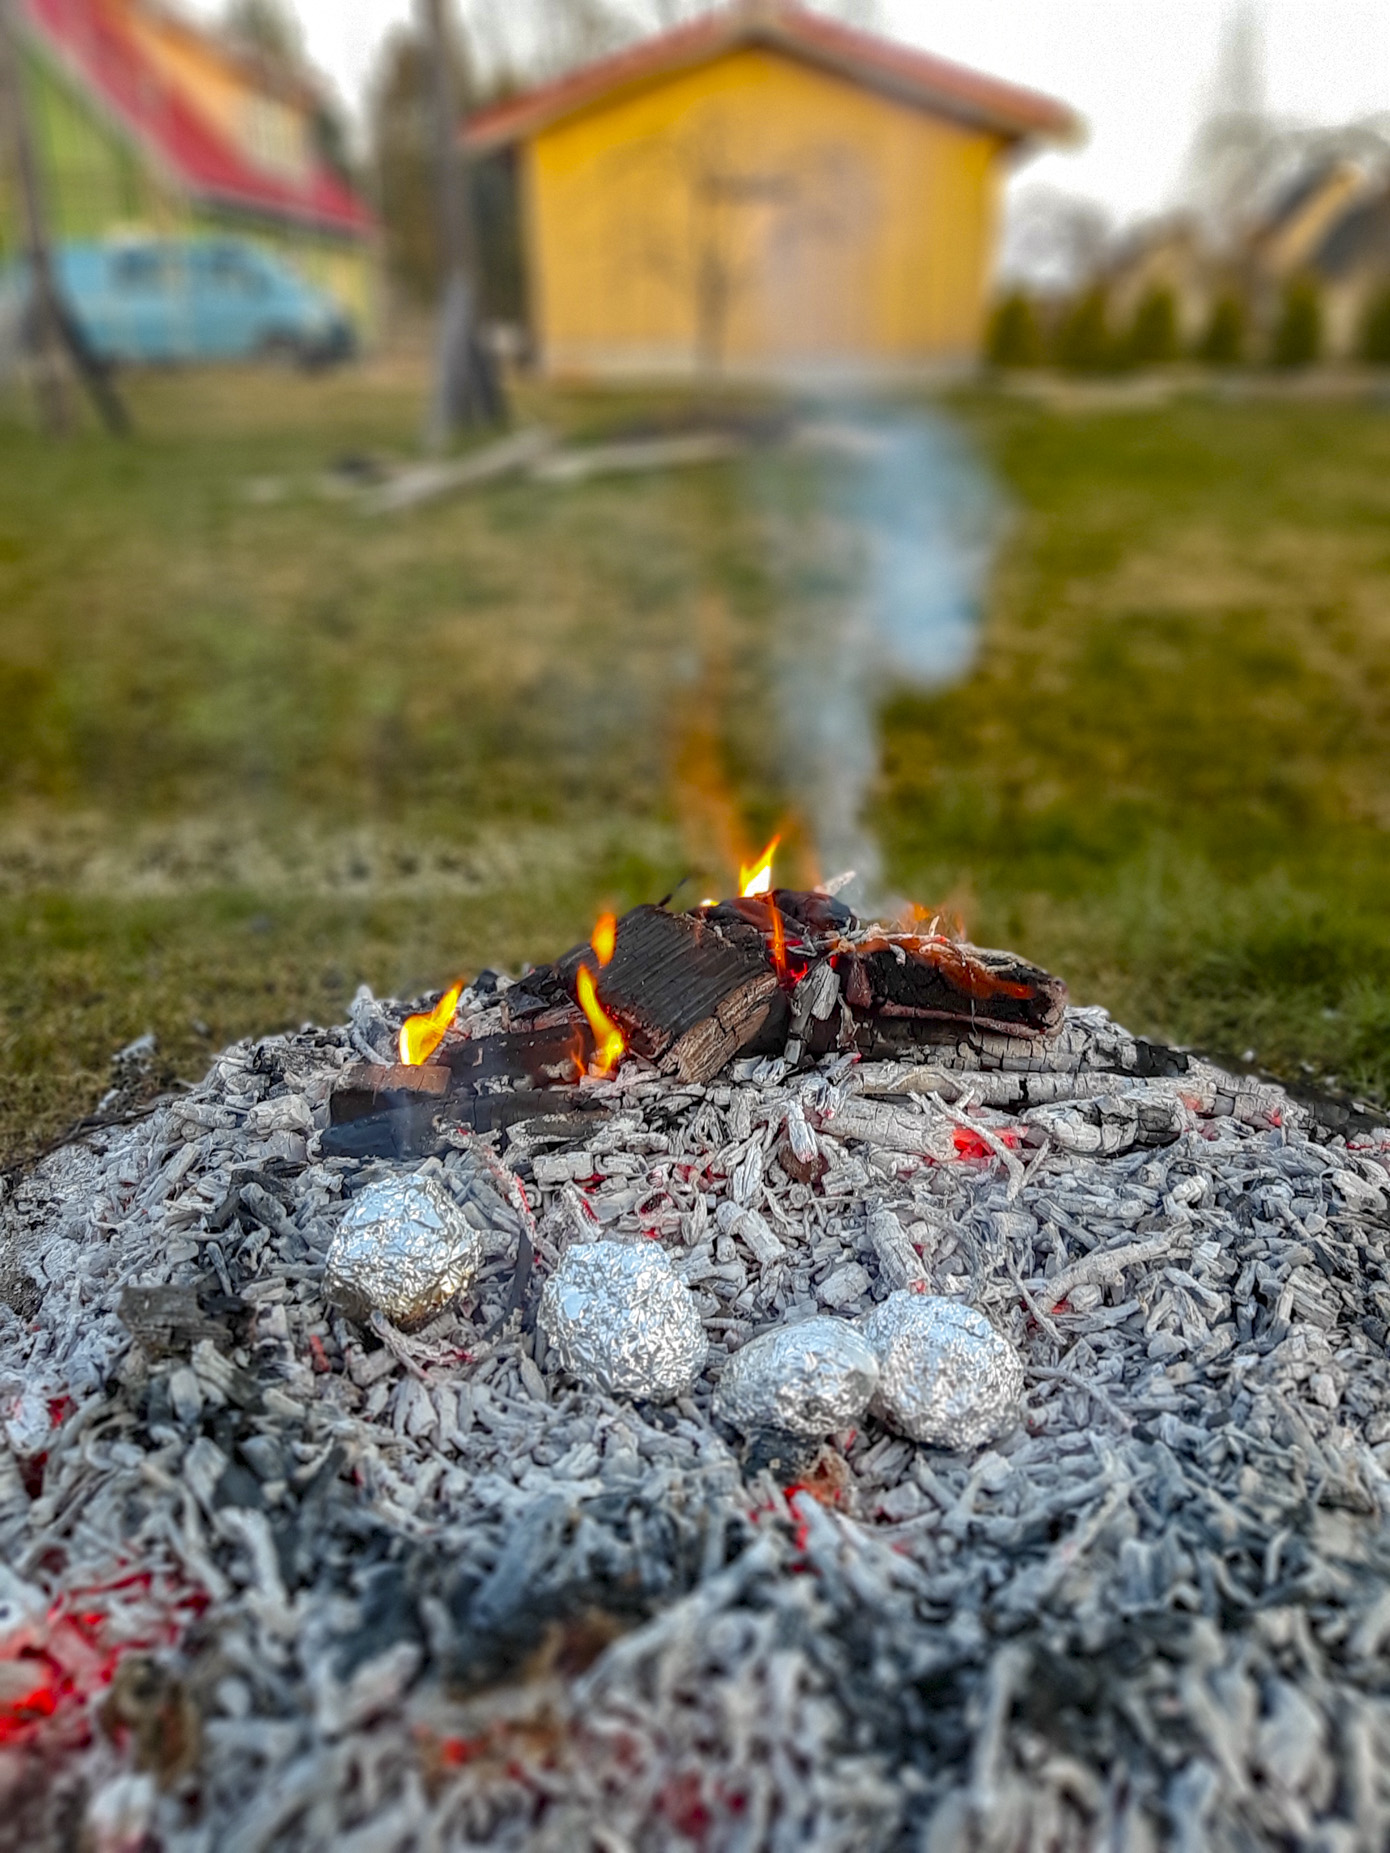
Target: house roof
{"type": "Point", "coordinates": [91, 40]}
{"type": "Point", "coordinates": [1360, 240]}
{"type": "Point", "coordinates": [909, 76]}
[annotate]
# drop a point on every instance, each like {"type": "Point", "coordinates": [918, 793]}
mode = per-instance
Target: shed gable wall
{"type": "Point", "coordinates": [756, 212]}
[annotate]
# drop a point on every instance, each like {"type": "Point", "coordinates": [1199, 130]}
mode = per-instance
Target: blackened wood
{"type": "Point", "coordinates": [938, 978]}
{"type": "Point", "coordinates": [558, 1053]}
{"type": "Point", "coordinates": [490, 1112]}
{"type": "Point", "coordinates": [804, 911]}
{"type": "Point", "coordinates": [169, 1319]}
{"type": "Point", "coordinates": [376, 1087]}
{"type": "Point", "coordinates": [704, 1049]}
{"type": "Point", "coordinates": [671, 975]}
{"type": "Point", "coordinates": [404, 1130]}
{"type": "Point", "coordinates": [415, 1127]}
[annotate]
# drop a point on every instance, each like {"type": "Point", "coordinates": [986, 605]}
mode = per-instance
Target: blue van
{"type": "Point", "coordinates": [164, 300]}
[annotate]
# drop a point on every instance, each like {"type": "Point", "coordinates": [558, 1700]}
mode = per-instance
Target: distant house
{"type": "Point", "coordinates": [761, 188]}
{"type": "Point", "coordinates": [1352, 260]}
{"type": "Point", "coordinates": [144, 122]}
{"type": "Point", "coordinates": [1165, 254]}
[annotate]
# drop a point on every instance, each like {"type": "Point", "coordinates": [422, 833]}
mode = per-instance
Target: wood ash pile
{"type": "Point", "coordinates": [275, 1574]}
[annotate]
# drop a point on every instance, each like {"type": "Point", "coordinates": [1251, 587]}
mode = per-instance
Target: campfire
{"type": "Point", "coordinates": [774, 973]}
{"type": "Point", "coordinates": [764, 1379]}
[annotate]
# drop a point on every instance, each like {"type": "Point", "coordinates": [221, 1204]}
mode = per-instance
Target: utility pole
{"type": "Point", "coordinates": [466, 388]}
{"type": "Point", "coordinates": [55, 331]}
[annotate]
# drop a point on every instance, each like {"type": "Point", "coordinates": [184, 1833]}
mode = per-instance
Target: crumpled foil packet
{"type": "Point", "coordinates": [404, 1247]}
{"type": "Point", "coordinates": [808, 1378]}
{"type": "Point", "coordinates": [617, 1315]}
{"type": "Point", "coordinates": [945, 1374]}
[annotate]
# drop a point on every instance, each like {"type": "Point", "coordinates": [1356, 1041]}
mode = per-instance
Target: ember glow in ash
{"type": "Point", "coordinates": [887, 1407]}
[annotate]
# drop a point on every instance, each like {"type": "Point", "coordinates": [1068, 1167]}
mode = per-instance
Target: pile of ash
{"type": "Point", "coordinates": [272, 1576]}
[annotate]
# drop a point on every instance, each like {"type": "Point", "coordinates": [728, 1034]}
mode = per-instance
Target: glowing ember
{"type": "Point", "coordinates": [757, 877]}
{"type": "Point", "coordinates": [608, 1038]}
{"type": "Point", "coordinates": [421, 1035]}
{"type": "Point", "coordinates": [604, 937]}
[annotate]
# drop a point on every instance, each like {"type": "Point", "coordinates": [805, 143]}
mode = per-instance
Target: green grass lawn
{"type": "Point", "coordinates": [258, 746]}
{"type": "Point", "coordinates": [1170, 777]}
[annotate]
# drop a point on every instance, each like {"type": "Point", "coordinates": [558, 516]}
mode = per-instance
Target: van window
{"type": "Point", "coordinates": [145, 270]}
{"type": "Point", "coordinates": [230, 270]}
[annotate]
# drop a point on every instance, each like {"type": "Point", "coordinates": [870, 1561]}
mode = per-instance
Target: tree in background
{"type": "Point", "coordinates": [1152, 340]}
{"type": "Point", "coordinates": [1298, 332]}
{"type": "Point", "coordinates": [1224, 338]}
{"type": "Point", "coordinates": [1374, 343]}
{"type": "Point", "coordinates": [402, 154]}
{"type": "Point", "coordinates": [270, 31]}
{"type": "Point", "coordinates": [1014, 337]}
{"type": "Point", "coordinates": [1083, 343]}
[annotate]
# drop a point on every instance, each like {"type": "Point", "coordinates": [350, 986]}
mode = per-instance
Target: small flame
{"type": "Point", "coordinates": [779, 940]}
{"type": "Point", "coordinates": [608, 1038]}
{"type": "Point", "coordinates": [604, 938]}
{"type": "Point", "coordinates": [421, 1035]}
{"type": "Point", "coordinates": [757, 878]}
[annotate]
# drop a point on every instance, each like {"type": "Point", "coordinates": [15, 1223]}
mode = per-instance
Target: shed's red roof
{"type": "Point", "coordinates": [93, 43]}
{"type": "Point", "coordinates": [880, 64]}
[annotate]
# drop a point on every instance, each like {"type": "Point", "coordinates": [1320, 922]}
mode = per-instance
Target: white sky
{"type": "Point", "coordinates": [1138, 70]}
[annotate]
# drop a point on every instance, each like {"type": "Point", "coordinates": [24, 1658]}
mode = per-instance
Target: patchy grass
{"type": "Point", "coordinates": [259, 747]}
{"type": "Point", "coordinates": [1170, 777]}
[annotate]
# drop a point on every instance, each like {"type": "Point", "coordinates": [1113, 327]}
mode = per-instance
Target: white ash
{"type": "Point", "coordinates": [1153, 1614]}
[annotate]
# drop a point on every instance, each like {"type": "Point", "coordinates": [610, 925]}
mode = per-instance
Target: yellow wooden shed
{"type": "Point", "coordinates": [759, 190]}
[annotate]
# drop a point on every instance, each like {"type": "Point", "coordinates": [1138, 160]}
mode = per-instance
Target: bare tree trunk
{"type": "Point", "coordinates": [55, 330]}
{"type": "Point", "coordinates": [466, 388]}
{"type": "Point", "coordinates": [47, 337]}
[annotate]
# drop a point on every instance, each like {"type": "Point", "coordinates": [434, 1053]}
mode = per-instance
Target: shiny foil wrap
{"type": "Point", "coordinates": [809, 1378]}
{"type": "Point", "coordinates": [945, 1374]}
{"type": "Point", "coordinates": [404, 1247]}
{"type": "Point", "coordinates": [616, 1314]}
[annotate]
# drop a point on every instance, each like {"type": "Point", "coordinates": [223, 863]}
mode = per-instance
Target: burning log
{"type": "Point", "coordinates": [685, 996]}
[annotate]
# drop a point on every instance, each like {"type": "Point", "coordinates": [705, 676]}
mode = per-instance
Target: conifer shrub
{"type": "Point", "coordinates": [1014, 336]}
{"type": "Point", "coordinates": [1374, 344]}
{"type": "Point", "coordinates": [1224, 338]}
{"type": "Point", "coordinates": [1298, 332]}
{"type": "Point", "coordinates": [1153, 334]}
{"type": "Point", "coordinates": [1083, 342]}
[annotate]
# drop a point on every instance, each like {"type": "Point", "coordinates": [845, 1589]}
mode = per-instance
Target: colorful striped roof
{"type": "Point", "coordinates": [93, 42]}
{"type": "Point", "coordinates": [880, 64]}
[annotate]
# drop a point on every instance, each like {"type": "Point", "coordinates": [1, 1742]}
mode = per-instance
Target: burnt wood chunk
{"type": "Point", "coordinates": [939, 978]}
{"type": "Point", "coordinates": [682, 995]}
{"type": "Point", "coordinates": [402, 1126]}
{"type": "Point", "coordinates": [556, 1052]}
{"type": "Point", "coordinates": [373, 1087]}
{"type": "Point", "coordinates": [169, 1319]}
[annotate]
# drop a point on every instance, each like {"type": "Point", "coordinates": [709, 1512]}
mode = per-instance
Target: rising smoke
{"type": "Point", "coordinates": [881, 570]}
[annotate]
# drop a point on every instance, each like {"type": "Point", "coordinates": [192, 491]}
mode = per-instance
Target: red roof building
{"type": "Point", "coordinates": [145, 121]}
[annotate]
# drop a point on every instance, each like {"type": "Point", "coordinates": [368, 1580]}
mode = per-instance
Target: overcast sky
{"type": "Point", "coordinates": [1139, 70]}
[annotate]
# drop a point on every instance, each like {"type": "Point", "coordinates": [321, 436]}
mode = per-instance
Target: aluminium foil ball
{"type": "Point", "coordinates": [808, 1378]}
{"type": "Point", "coordinates": [945, 1375]}
{"type": "Point", "coordinates": [404, 1248]}
{"type": "Point", "coordinates": [617, 1315]}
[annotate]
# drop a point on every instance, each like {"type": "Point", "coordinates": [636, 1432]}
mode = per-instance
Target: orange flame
{"type": "Point", "coordinates": [779, 940]}
{"type": "Point", "coordinates": [608, 1037]}
{"type": "Point", "coordinates": [421, 1035]}
{"type": "Point", "coordinates": [756, 878]}
{"type": "Point", "coordinates": [604, 938]}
